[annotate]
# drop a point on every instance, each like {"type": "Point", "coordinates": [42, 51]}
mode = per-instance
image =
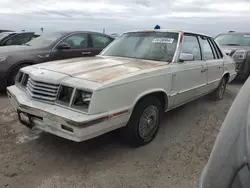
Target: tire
{"type": "Point", "coordinates": [218, 93]}
{"type": "Point", "coordinates": [10, 80]}
{"type": "Point", "coordinates": [144, 122]}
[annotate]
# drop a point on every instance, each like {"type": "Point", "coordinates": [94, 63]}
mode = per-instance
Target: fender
{"type": "Point", "coordinates": [148, 92]}
{"type": "Point", "coordinates": [226, 72]}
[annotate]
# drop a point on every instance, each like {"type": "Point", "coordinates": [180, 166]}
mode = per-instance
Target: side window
{"type": "Point", "coordinates": [19, 39]}
{"type": "Point", "coordinates": [206, 49]}
{"type": "Point", "coordinates": [217, 49]}
{"type": "Point", "coordinates": [100, 41]}
{"type": "Point", "coordinates": [191, 46]}
{"type": "Point", "coordinates": [77, 41]}
{"type": "Point", "coordinates": [213, 49]}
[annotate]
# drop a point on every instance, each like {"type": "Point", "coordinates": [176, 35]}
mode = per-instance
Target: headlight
{"type": "Point", "coordinates": [19, 77]}
{"type": "Point", "coordinates": [82, 100]}
{"type": "Point", "coordinates": [239, 55]}
{"type": "Point", "coordinates": [2, 58]}
{"type": "Point", "coordinates": [65, 94]}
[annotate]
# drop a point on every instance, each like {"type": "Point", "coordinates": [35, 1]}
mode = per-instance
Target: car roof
{"type": "Point", "coordinates": [170, 30]}
{"type": "Point", "coordinates": [71, 32]}
{"type": "Point", "coordinates": [14, 32]}
{"type": "Point", "coordinates": [4, 30]}
{"type": "Point", "coordinates": [235, 33]}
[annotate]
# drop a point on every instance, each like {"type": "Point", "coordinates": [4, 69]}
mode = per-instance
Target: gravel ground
{"type": "Point", "coordinates": [32, 159]}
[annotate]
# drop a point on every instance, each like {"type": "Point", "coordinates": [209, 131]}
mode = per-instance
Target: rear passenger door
{"type": "Point", "coordinates": [99, 42]}
{"type": "Point", "coordinates": [214, 62]}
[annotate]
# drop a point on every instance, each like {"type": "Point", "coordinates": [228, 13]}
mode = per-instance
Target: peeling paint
{"type": "Point", "coordinates": [100, 69]}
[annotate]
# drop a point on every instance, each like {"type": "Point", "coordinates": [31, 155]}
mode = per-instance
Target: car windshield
{"type": "Point", "coordinates": [44, 40]}
{"type": "Point", "coordinates": [3, 35]}
{"type": "Point", "coordinates": [158, 46]}
{"type": "Point", "coordinates": [233, 39]}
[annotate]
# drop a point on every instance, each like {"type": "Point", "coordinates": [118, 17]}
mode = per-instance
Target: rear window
{"type": "Point", "coordinates": [158, 46]}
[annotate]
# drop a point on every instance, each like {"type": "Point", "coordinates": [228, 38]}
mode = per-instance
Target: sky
{"type": "Point", "coordinates": [117, 16]}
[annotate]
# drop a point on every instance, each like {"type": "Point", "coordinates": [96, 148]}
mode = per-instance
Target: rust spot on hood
{"type": "Point", "coordinates": [108, 74]}
{"type": "Point", "coordinates": [100, 69]}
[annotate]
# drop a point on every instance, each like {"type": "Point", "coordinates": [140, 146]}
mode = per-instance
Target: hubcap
{"type": "Point", "coordinates": [148, 122]}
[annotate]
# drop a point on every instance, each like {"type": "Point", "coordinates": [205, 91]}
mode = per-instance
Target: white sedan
{"type": "Point", "coordinates": [129, 86]}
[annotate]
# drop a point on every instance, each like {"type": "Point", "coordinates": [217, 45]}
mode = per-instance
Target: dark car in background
{"type": "Point", "coordinates": [237, 45]}
{"type": "Point", "coordinates": [49, 47]}
{"type": "Point", "coordinates": [16, 38]}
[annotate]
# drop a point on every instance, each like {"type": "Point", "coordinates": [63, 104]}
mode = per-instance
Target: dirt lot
{"type": "Point", "coordinates": [31, 159]}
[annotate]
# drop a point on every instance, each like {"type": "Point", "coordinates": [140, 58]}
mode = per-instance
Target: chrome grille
{"type": "Point", "coordinates": [42, 91]}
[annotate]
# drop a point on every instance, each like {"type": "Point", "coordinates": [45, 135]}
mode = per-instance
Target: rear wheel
{"type": "Point", "coordinates": [144, 122]}
{"type": "Point", "coordinates": [218, 93]}
{"type": "Point", "coordinates": [12, 74]}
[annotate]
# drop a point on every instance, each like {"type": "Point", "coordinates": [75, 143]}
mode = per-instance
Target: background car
{"type": "Point", "coordinates": [4, 30]}
{"type": "Point", "coordinates": [16, 38]}
{"type": "Point", "coordinates": [228, 165]}
{"type": "Point", "coordinates": [49, 47]}
{"type": "Point", "coordinates": [237, 45]}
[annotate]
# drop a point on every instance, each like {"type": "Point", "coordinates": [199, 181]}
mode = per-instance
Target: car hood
{"type": "Point", "coordinates": [229, 50]}
{"type": "Point", "coordinates": [99, 69]}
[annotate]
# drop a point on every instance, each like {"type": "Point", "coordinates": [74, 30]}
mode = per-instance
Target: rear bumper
{"type": "Point", "coordinates": [63, 122]}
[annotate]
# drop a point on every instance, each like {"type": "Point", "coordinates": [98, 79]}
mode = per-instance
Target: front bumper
{"type": "Point", "coordinates": [63, 122]}
{"type": "Point", "coordinates": [243, 68]}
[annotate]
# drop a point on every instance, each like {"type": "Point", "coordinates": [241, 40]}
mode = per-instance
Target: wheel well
{"type": "Point", "coordinates": [161, 96]}
{"type": "Point", "coordinates": [227, 76]}
{"type": "Point", "coordinates": [17, 65]}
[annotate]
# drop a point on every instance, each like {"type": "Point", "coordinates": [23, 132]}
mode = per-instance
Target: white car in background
{"type": "Point", "coordinates": [129, 85]}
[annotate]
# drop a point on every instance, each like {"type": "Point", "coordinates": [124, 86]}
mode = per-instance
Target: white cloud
{"type": "Point", "coordinates": [119, 15]}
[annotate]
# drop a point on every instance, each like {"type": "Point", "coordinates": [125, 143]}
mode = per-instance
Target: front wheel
{"type": "Point", "coordinates": [218, 93]}
{"type": "Point", "coordinates": [144, 122]}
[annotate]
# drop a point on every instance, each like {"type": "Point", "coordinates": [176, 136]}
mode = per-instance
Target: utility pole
{"type": "Point", "coordinates": [103, 31]}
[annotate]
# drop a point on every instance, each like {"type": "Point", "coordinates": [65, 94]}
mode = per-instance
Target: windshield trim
{"type": "Point", "coordinates": [175, 56]}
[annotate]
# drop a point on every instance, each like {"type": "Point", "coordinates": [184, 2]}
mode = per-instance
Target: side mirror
{"type": "Point", "coordinates": [63, 46]}
{"type": "Point", "coordinates": [186, 57]}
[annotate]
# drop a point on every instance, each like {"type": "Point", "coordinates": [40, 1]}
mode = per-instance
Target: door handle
{"type": "Point", "coordinates": [85, 53]}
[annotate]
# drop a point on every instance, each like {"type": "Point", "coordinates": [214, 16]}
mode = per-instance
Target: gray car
{"type": "Point", "coordinates": [49, 47]}
{"type": "Point", "coordinates": [237, 45]}
{"type": "Point", "coordinates": [228, 165]}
